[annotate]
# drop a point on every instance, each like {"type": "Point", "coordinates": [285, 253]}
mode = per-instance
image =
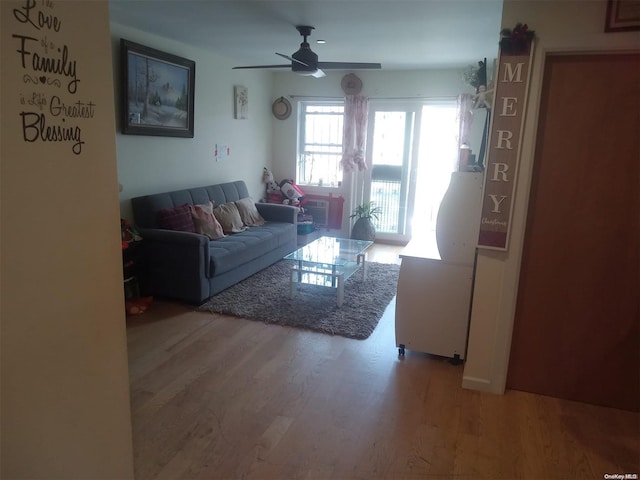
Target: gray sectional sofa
{"type": "Point", "coordinates": [191, 267]}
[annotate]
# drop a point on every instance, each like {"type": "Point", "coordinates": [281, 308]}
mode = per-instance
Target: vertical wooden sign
{"type": "Point", "coordinates": [510, 99]}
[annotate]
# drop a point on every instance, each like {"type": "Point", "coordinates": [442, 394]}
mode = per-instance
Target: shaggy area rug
{"type": "Point", "coordinates": [265, 297]}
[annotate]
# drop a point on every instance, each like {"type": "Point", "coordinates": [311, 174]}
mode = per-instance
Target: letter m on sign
{"type": "Point", "coordinates": [511, 74]}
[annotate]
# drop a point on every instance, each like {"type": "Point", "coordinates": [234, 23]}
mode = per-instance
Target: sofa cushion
{"type": "Point", "coordinates": [205, 221]}
{"type": "Point", "coordinates": [178, 218]}
{"type": "Point", "coordinates": [249, 213]}
{"type": "Point", "coordinates": [229, 217]}
{"type": "Point", "coordinates": [235, 250]}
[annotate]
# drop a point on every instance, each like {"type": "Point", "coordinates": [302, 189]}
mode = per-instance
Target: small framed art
{"type": "Point", "coordinates": [241, 96]}
{"type": "Point", "coordinates": [622, 15]}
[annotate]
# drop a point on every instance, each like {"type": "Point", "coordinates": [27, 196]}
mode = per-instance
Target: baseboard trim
{"type": "Point", "coordinates": [475, 383]}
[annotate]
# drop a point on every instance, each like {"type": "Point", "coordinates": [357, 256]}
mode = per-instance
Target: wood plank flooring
{"type": "Point", "coordinates": [217, 397]}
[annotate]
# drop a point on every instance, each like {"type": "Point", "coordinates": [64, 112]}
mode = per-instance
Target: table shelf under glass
{"type": "Point", "coordinates": [328, 262]}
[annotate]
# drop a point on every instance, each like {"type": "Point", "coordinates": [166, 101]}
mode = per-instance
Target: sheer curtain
{"type": "Point", "coordinates": [465, 117]}
{"type": "Point", "coordinates": [354, 133]}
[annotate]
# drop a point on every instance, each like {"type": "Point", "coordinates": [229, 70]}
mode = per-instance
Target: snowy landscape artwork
{"type": "Point", "coordinates": [158, 92]}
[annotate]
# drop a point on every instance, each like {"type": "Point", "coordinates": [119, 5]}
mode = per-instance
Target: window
{"type": "Point", "coordinates": [320, 143]}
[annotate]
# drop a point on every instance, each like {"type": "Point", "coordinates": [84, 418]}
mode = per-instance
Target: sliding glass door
{"type": "Point", "coordinates": [411, 149]}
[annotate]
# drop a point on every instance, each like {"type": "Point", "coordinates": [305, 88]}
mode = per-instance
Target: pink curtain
{"type": "Point", "coordinates": [354, 133]}
{"type": "Point", "coordinates": [465, 117]}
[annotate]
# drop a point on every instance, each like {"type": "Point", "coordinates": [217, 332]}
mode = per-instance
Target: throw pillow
{"type": "Point", "coordinates": [178, 218]}
{"type": "Point", "coordinates": [249, 213]}
{"type": "Point", "coordinates": [205, 222]}
{"type": "Point", "coordinates": [229, 217]}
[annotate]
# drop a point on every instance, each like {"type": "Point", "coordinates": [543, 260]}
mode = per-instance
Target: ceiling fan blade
{"type": "Point", "coordinates": [349, 66]}
{"type": "Point", "coordinates": [263, 66]}
{"type": "Point", "coordinates": [291, 59]}
{"type": "Point", "coordinates": [319, 74]}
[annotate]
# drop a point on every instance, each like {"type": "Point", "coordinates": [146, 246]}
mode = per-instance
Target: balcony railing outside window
{"type": "Point", "coordinates": [386, 195]}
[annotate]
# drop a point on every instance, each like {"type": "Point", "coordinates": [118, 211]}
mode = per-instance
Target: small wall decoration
{"type": "Point", "coordinates": [622, 15]}
{"type": "Point", "coordinates": [157, 92]}
{"type": "Point", "coordinates": [351, 84]}
{"type": "Point", "coordinates": [241, 95]}
{"type": "Point", "coordinates": [505, 136]}
{"type": "Point", "coordinates": [516, 40]}
{"type": "Point", "coordinates": [281, 108]}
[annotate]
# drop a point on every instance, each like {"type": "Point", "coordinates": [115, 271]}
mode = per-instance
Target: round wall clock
{"type": "Point", "coordinates": [281, 108]}
{"type": "Point", "coordinates": [351, 84]}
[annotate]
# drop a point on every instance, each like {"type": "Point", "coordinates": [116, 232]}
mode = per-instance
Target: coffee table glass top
{"type": "Point", "coordinates": [330, 251]}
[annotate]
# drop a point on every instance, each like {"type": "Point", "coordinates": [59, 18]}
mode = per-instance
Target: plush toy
{"type": "Point", "coordinates": [267, 177]}
{"type": "Point", "coordinates": [483, 98]}
{"type": "Point", "coordinates": [292, 193]}
{"type": "Point", "coordinates": [137, 306]}
{"type": "Point", "coordinates": [274, 195]}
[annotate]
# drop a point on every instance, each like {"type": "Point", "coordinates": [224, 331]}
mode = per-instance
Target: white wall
{"type": "Point", "coordinates": [157, 164]}
{"type": "Point", "coordinates": [65, 385]}
{"type": "Point", "coordinates": [564, 26]}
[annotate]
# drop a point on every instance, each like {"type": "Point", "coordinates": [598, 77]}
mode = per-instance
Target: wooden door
{"type": "Point", "coordinates": [576, 329]}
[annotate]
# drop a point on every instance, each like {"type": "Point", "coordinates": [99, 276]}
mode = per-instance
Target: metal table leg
{"type": "Point", "coordinates": [362, 258]}
{"type": "Point", "coordinates": [293, 285]}
{"type": "Point", "coordinates": [340, 294]}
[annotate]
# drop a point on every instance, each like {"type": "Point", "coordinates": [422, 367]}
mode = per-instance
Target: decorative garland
{"type": "Point", "coordinates": [516, 40]}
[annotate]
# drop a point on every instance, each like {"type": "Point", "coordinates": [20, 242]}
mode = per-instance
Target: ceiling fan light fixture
{"type": "Point", "coordinates": [306, 73]}
{"type": "Point", "coordinates": [317, 73]}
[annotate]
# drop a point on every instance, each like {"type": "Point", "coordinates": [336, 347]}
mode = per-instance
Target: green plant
{"type": "Point", "coordinates": [366, 210]}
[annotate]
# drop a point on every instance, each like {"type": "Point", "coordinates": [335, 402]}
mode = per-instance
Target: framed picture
{"type": "Point", "coordinates": [157, 92]}
{"type": "Point", "coordinates": [622, 15]}
{"type": "Point", "coordinates": [241, 96]}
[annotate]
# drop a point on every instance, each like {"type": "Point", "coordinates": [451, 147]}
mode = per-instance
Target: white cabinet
{"type": "Point", "coordinates": [432, 305]}
{"type": "Point", "coordinates": [436, 275]}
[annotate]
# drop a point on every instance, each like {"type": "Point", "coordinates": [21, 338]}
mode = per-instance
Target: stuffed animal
{"type": "Point", "coordinates": [274, 195]}
{"type": "Point", "coordinates": [293, 195]}
{"type": "Point", "coordinates": [137, 306]}
{"type": "Point", "coordinates": [267, 177]}
{"type": "Point", "coordinates": [483, 98]}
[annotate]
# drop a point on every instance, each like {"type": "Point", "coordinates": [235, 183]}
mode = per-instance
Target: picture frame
{"type": "Point", "coordinates": [241, 99]}
{"type": "Point", "coordinates": [157, 92]}
{"type": "Point", "coordinates": [622, 15]}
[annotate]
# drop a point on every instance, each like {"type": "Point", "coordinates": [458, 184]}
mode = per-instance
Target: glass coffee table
{"type": "Point", "coordinates": [328, 262]}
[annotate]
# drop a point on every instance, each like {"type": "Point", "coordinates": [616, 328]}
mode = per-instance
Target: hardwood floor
{"type": "Point", "coordinates": [217, 397]}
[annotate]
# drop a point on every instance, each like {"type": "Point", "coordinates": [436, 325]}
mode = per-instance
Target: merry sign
{"type": "Point", "coordinates": [512, 85]}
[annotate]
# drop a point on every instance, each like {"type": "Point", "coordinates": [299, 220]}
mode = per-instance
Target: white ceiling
{"type": "Point", "coordinates": [400, 34]}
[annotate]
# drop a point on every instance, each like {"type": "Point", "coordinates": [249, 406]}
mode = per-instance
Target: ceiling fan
{"type": "Point", "coordinates": [305, 61]}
